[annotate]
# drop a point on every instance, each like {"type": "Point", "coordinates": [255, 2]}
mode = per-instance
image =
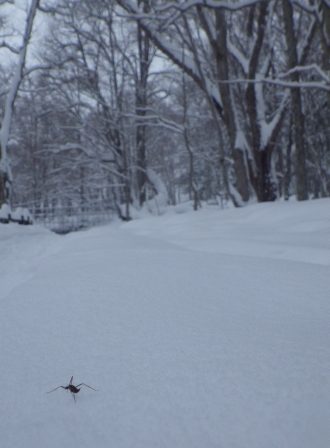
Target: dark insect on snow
{"type": "Point", "coordinates": [73, 389]}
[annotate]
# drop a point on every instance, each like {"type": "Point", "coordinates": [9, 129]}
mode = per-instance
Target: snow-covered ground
{"type": "Point", "coordinates": [200, 329]}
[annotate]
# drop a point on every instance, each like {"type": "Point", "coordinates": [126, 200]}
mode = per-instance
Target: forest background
{"type": "Point", "coordinates": [111, 105]}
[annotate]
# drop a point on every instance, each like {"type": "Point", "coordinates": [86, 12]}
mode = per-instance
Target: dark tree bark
{"type": "Point", "coordinates": [298, 122]}
{"type": "Point", "coordinates": [141, 104]}
{"type": "Point", "coordinates": [261, 178]}
{"type": "Point", "coordinates": [287, 174]}
{"type": "Point", "coordinates": [2, 188]}
{"type": "Point", "coordinates": [324, 18]}
{"type": "Point", "coordinates": [221, 54]}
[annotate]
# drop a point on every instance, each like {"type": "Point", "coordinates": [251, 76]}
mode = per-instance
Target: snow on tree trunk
{"type": "Point", "coordinates": [291, 41]}
{"type": "Point", "coordinates": [221, 54]}
{"type": "Point", "coordinates": [5, 172]}
{"type": "Point", "coordinates": [158, 203]}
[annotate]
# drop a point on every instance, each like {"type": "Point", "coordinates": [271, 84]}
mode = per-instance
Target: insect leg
{"type": "Point", "coordinates": [83, 384]}
{"type": "Point", "coordinates": [55, 389]}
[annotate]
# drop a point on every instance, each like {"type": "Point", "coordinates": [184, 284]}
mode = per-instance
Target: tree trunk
{"type": "Point", "coordinates": [221, 54]}
{"type": "Point", "coordinates": [5, 174]}
{"type": "Point", "coordinates": [324, 17]}
{"type": "Point", "coordinates": [141, 104]}
{"type": "Point", "coordinates": [265, 187]}
{"type": "Point", "coordinates": [298, 124]}
{"type": "Point", "coordinates": [2, 187]}
{"type": "Point", "coordinates": [261, 178]}
{"type": "Point", "coordinates": [287, 174]}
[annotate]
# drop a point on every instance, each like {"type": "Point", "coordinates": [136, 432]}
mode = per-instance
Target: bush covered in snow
{"type": "Point", "coordinates": [20, 215]}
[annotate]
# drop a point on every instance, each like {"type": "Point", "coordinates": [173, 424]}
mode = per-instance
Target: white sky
{"type": "Point", "coordinates": [15, 17]}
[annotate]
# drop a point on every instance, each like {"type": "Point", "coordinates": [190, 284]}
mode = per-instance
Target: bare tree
{"type": "Point", "coordinates": [233, 56]}
{"type": "Point", "coordinates": [5, 172]}
{"type": "Point", "coordinates": [113, 118]}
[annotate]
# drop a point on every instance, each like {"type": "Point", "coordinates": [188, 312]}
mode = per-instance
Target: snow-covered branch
{"type": "Point", "coordinates": [36, 67]}
{"type": "Point", "coordinates": [214, 4]}
{"type": "Point", "coordinates": [239, 56]}
{"type": "Point", "coordinates": [290, 84]}
{"type": "Point", "coordinates": [305, 5]}
{"type": "Point", "coordinates": [93, 157]}
{"type": "Point", "coordinates": [174, 52]}
{"type": "Point", "coordinates": [9, 47]}
{"type": "Point", "coordinates": [307, 68]}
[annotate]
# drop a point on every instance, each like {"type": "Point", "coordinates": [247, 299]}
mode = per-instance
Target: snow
{"type": "Point", "coordinates": [5, 210]}
{"type": "Point", "coordinates": [158, 204]}
{"type": "Point", "coordinates": [286, 231]}
{"type": "Point", "coordinates": [200, 329]}
{"type": "Point", "coordinates": [239, 56]}
{"type": "Point", "coordinates": [20, 214]}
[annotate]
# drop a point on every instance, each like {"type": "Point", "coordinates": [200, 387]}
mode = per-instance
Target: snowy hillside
{"type": "Point", "coordinates": [199, 329]}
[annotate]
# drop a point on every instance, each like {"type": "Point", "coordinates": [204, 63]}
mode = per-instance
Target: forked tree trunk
{"type": "Point", "coordinates": [261, 178]}
{"type": "Point", "coordinates": [221, 54]}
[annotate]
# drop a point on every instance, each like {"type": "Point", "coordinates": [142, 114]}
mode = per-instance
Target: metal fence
{"type": "Point", "coordinates": [65, 219]}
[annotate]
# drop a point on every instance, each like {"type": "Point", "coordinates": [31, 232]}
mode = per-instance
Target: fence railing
{"type": "Point", "coordinates": [65, 219]}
